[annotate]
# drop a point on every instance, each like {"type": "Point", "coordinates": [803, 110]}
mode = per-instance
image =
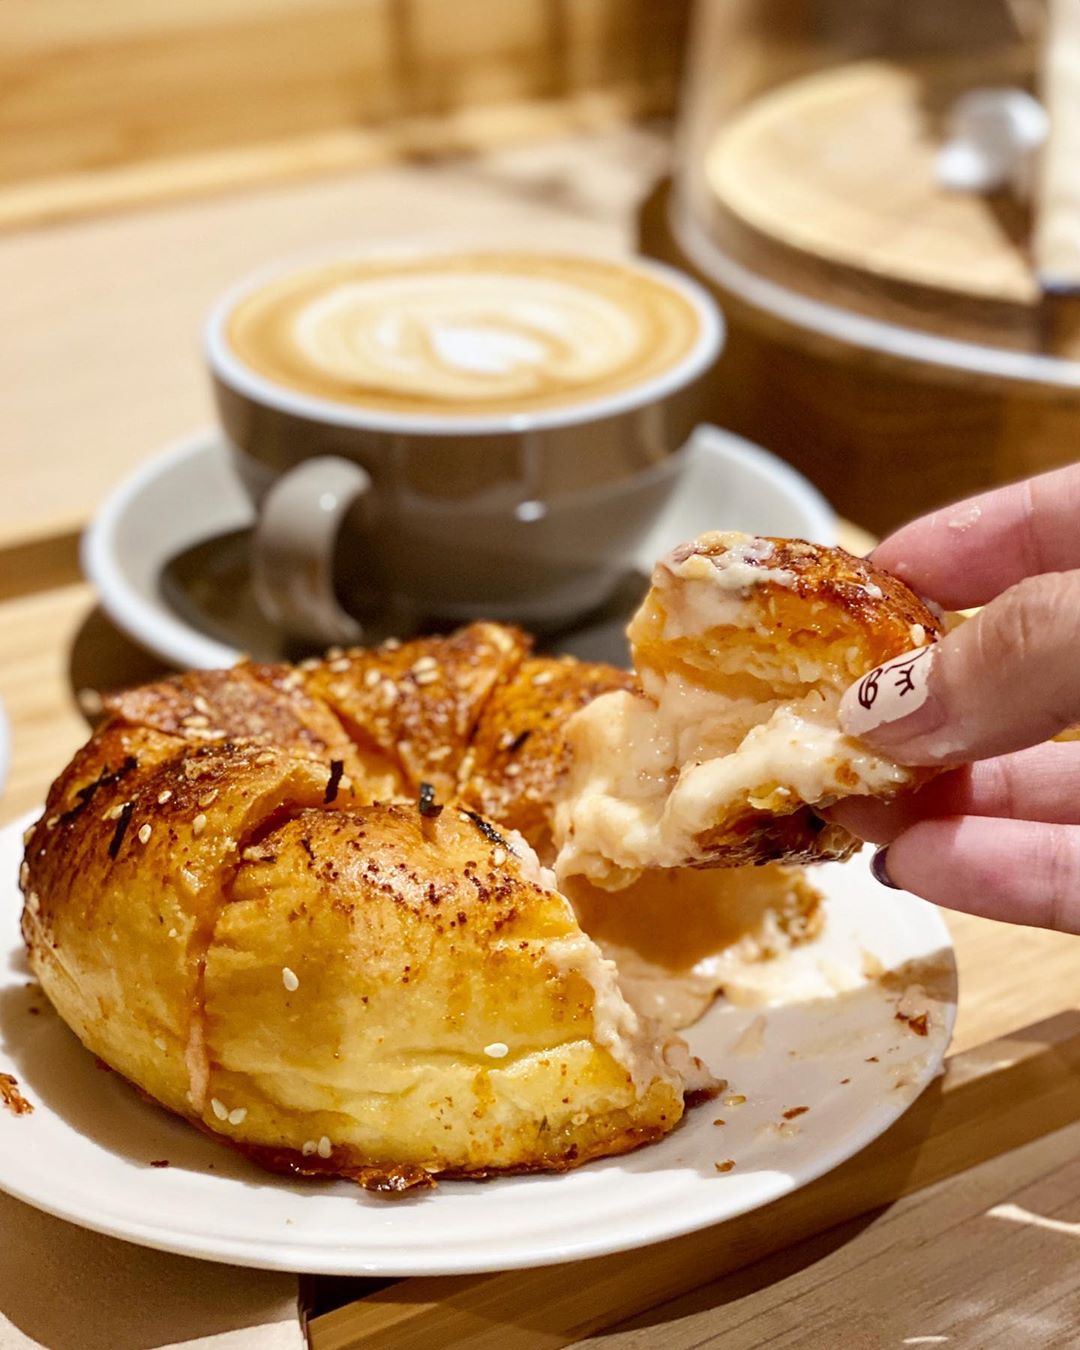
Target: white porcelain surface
{"type": "Point", "coordinates": [188, 493]}
{"type": "Point", "coordinates": [85, 1152]}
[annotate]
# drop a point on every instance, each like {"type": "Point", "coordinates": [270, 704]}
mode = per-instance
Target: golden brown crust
{"type": "Point", "coordinates": [125, 875]}
{"type": "Point", "coordinates": [839, 579]}
{"type": "Point", "coordinates": [417, 702]}
{"type": "Point", "coordinates": [247, 705]}
{"type": "Point", "coordinates": [518, 754]}
{"type": "Point", "coordinates": [834, 602]}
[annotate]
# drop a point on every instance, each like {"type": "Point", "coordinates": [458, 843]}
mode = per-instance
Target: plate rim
{"type": "Point", "coordinates": [156, 628]}
{"type": "Point", "coordinates": [333, 1258]}
{"type": "Point", "coordinates": [153, 627]}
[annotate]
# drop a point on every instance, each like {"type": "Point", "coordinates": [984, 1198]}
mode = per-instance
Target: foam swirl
{"type": "Point", "coordinates": [464, 334]}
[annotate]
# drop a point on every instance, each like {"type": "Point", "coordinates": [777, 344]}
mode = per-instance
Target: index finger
{"type": "Point", "coordinates": [966, 554]}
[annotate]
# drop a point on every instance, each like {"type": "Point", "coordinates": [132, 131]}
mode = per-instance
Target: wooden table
{"type": "Point", "coordinates": [102, 366]}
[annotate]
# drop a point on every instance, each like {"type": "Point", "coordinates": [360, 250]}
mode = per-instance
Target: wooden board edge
{"type": "Point", "coordinates": [990, 1100]}
{"type": "Point", "coordinates": [468, 131]}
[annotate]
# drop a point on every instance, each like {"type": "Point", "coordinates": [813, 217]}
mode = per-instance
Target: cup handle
{"type": "Point", "coordinates": [292, 549]}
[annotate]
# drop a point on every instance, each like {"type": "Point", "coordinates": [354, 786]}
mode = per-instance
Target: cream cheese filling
{"type": "Point", "coordinates": [643, 1047]}
{"type": "Point", "coordinates": [648, 1051]}
{"type": "Point", "coordinates": [647, 780]}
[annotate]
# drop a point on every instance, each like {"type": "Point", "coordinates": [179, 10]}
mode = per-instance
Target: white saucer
{"type": "Point", "coordinates": [835, 1047]}
{"type": "Point", "coordinates": [192, 605]}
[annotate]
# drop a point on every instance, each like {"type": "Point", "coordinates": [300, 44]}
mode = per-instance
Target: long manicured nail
{"type": "Point", "coordinates": [879, 866]}
{"type": "Point", "coordinates": [898, 691]}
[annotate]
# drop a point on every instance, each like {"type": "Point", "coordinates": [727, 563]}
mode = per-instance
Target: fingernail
{"type": "Point", "coordinates": [897, 691]}
{"type": "Point", "coordinates": [879, 866]}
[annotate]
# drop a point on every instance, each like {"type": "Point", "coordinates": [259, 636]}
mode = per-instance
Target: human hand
{"type": "Point", "coordinates": [999, 836]}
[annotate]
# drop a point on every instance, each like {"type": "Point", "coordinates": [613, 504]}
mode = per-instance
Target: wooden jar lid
{"type": "Point", "coordinates": [828, 185]}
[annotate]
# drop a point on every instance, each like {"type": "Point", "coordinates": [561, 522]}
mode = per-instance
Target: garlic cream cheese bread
{"type": "Point", "coordinates": [239, 898]}
{"type": "Point", "coordinates": [380, 991]}
{"type": "Point", "coordinates": [395, 996]}
{"type": "Point", "coordinates": [308, 908]}
{"type": "Point", "coordinates": [743, 647]}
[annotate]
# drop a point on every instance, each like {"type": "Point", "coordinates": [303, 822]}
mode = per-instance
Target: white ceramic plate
{"type": "Point", "coordinates": [205, 616]}
{"type": "Point", "coordinates": [835, 1046]}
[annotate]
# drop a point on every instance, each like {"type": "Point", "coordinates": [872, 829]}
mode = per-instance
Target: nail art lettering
{"type": "Point", "coordinates": [900, 674]}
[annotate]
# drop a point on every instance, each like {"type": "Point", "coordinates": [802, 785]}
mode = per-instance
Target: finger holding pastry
{"type": "Point", "coordinates": [995, 835]}
{"type": "Point", "coordinates": [1038, 784]}
{"type": "Point", "coordinates": [957, 702]}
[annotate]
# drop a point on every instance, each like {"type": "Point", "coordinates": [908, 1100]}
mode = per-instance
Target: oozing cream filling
{"type": "Point", "coordinates": [648, 1051]}
{"type": "Point", "coordinates": [638, 1043]}
{"type": "Point", "coordinates": [646, 783]}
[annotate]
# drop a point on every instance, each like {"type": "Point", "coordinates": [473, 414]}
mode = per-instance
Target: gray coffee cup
{"type": "Point", "coordinates": [528, 516]}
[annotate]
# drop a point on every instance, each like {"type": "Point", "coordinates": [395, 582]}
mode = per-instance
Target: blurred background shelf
{"type": "Point", "coordinates": [126, 102]}
{"type": "Point", "coordinates": [889, 340]}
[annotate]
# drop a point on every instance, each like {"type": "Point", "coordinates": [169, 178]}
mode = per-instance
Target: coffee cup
{"type": "Point", "coordinates": [437, 435]}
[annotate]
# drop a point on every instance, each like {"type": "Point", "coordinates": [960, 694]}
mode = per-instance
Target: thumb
{"type": "Point", "coordinates": [1007, 679]}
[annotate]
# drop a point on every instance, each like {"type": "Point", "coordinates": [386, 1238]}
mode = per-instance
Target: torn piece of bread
{"type": "Point", "coordinates": [744, 647]}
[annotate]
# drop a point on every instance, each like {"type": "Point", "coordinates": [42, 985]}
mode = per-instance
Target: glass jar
{"type": "Point", "coordinates": [887, 330]}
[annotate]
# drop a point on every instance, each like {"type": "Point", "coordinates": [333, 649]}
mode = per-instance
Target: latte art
{"type": "Point", "coordinates": [493, 336]}
{"type": "Point", "coordinates": [465, 334]}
